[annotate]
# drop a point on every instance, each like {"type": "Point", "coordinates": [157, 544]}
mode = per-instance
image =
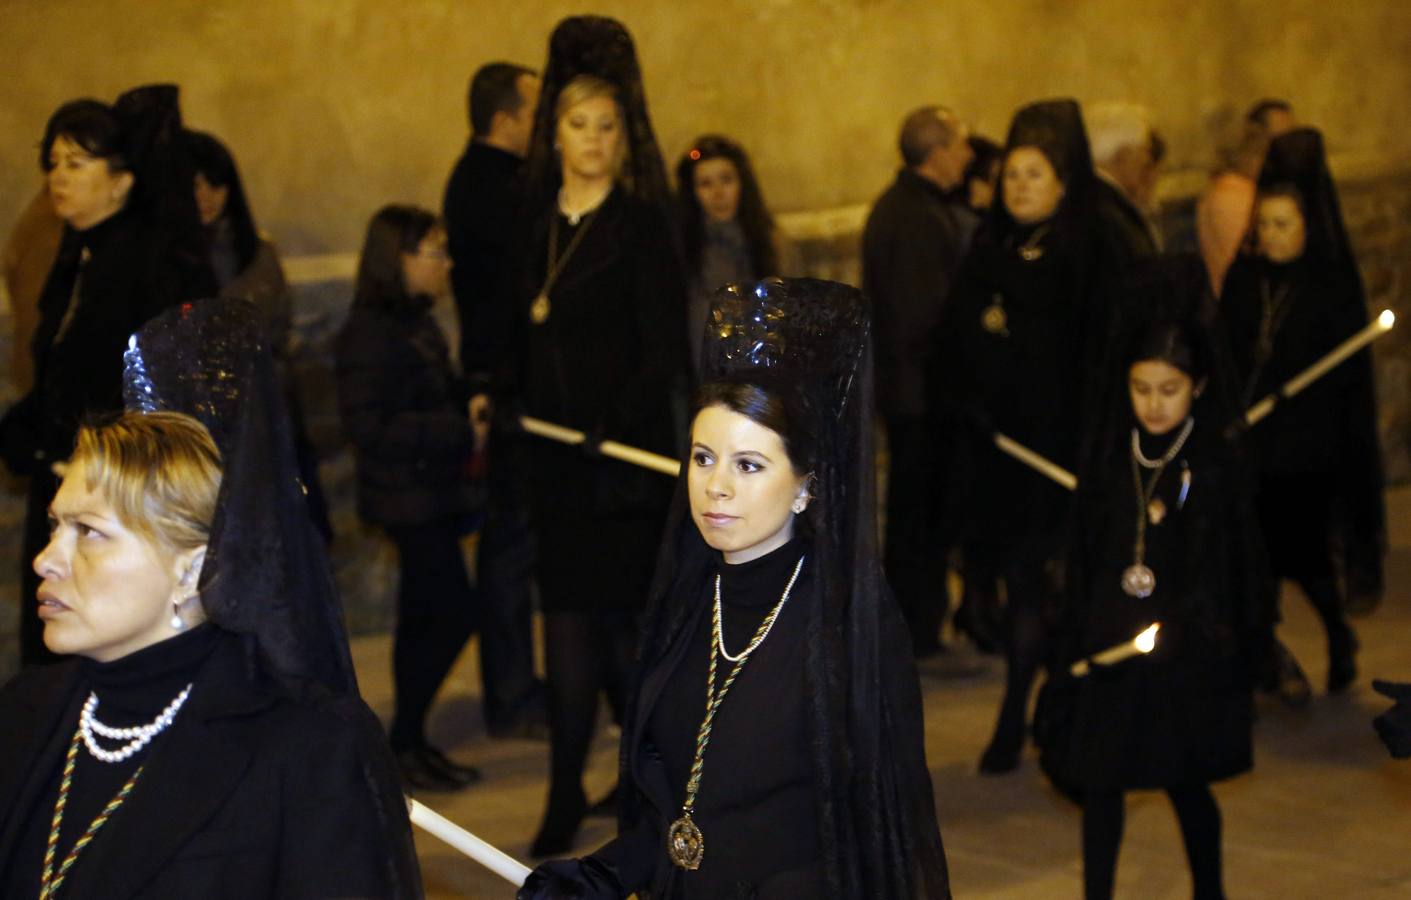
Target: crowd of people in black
{"type": "Point", "coordinates": [1062, 401]}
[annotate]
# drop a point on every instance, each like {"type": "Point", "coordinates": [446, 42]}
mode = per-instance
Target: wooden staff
{"type": "Point", "coordinates": [637, 457]}
{"type": "Point", "coordinates": [1380, 326]}
{"type": "Point", "coordinates": [1138, 646]}
{"type": "Point", "coordinates": [492, 858]}
{"type": "Point", "coordinates": [1040, 464]}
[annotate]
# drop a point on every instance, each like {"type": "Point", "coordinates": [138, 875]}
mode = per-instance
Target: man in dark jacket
{"type": "Point", "coordinates": [1126, 155]}
{"type": "Point", "coordinates": [480, 208]}
{"type": "Point", "coordinates": [913, 244]}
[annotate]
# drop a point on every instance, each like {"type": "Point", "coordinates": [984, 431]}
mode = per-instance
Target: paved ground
{"type": "Point", "coordinates": [1325, 814]}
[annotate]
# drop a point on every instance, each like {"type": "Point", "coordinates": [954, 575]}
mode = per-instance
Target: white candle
{"type": "Point", "coordinates": [492, 858]}
{"type": "Point", "coordinates": [637, 457]}
{"type": "Point", "coordinates": [1138, 646]}
{"type": "Point", "coordinates": [1375, 329]}
{"type": "Point", "coordinates": [1040, 464]}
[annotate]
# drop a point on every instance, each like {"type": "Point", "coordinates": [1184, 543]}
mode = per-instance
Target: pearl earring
{"type": "Point", "coordinates": [176, 623]}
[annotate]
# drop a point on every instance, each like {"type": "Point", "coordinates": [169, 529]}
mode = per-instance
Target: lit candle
{"type": "Point", "coordinates": [1375, 329]}
{"type": "Point", "coordinates": [1140, 645]}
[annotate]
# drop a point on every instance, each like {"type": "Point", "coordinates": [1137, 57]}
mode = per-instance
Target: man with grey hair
{"type": "Point", "coordinates": [1126, 154]}
{"type": "Point", "coordinates": [916, 235]}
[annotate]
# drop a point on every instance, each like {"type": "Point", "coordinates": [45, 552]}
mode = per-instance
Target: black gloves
{"type": "Point", "coordinates": [1394, 725]}
{"type": "Point", "coordinates": [588, 878]}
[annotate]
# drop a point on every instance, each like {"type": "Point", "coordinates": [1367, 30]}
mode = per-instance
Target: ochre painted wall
{"type": "Point", "coordinates": [334, 107]}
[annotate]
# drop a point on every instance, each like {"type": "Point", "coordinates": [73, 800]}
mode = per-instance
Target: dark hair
{"type": "Point", "coordinates": [1259, 112]}
{"type": "Point", "coordinates": [1285, 189]}
{"type": "Point", "coordinates": [923, 130]}
{"type": "Point", "coordinates": [1179, 344]}
{"type": "Point", "coordinates": [94, 126]}
{"type": "Point", "coordinates": [394, 230]}
{"type": "Point", "coordinates": [753, 216]}
{"type": "Point", "coordinates": [212, 161]}
{"type": "Point", "coordinates": [986, 156]}
{"type": "Point", "coordinates": [494, 88]}
{"type": "Point", "coordinates": [774, 403]}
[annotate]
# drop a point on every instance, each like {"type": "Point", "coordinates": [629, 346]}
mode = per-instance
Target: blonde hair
{"type": "Point", "coordinates": [160, 472]}
{"type": "Point", "coordinates": [585, 87]}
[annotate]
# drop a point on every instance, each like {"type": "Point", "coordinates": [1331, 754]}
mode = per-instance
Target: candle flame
{"type": "Point", "coordinates": [1146, 641]}
{"type": "Point", "coordinates": [1386, 319]}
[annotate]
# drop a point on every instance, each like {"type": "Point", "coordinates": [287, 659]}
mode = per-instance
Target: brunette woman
{"type": "Point", "coordinates": [119, 178]}
{"type": "Point", "coordinates": [1167, 537]}
{"type": "Point", "coordinates": [803, 773]}
{"type": "Point", "coordinates": [407, 415]}
{"type": "Point", "coordinates": [1320, 476]}
{"type": "Point", "coordinates": [726, 230]}
{"type": "Point", "coordinates": [1023, 335]}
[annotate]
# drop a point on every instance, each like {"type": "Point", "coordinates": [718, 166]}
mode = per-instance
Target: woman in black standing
{"type": "Point", "coordinates": [1166, 536]}
{"type": "Point", "coordinates": [598, 344]}
{"type": "Point", "coordinates": [1025, 327]}
{"type": "Point", "coordinates": [727, 232]}
{"type": "Point", "coordinates": [1319, 461]}
{"type": "Point", "coordinates": [132, 246]}
{"type": "Point", "coordinates": [407, 415]}
{"type": "Point", "coordinates": [803, 774]}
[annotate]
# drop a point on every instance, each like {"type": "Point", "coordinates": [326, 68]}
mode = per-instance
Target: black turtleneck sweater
{"type": "Point", "coordinates": [757, 803]}
{"type": "Point", "coordinates": [132, 690]}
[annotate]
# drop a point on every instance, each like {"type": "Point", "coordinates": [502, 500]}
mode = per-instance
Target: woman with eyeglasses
{"type": "Point", "coordinates": [407, 414]}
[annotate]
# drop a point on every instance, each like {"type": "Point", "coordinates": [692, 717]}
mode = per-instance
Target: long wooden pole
{"type": "Point", "coordinates": [637, 457]}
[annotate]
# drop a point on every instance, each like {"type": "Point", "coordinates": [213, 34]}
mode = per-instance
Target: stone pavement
{"type": "Point", "coordinates": [1326, 812]}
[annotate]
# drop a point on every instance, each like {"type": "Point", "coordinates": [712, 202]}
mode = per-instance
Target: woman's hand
{"type": "Point", "coordinates": [588, 878]}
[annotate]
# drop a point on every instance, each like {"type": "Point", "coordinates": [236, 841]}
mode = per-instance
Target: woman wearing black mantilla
{"type": "Point", "coordinates": [208, 741]}
{"type": "Point", "coordinates": [803, 772]}
{"type": "Point", "coordinates": [1024, 332]}
{"type": "Point", "coordinates": [598, 343]}
{"type": "Point", "coordinates": [1319, 459]}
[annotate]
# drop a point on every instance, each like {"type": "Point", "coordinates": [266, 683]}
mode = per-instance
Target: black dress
{"type": "Point", "coordinates": [756, 808]}
{"type": "Point", "coordinates": [606, 361]}
{"type": "Point", "coordinates": [1181, 715]}
{"type": "Point", "coordinates": [248, 793]}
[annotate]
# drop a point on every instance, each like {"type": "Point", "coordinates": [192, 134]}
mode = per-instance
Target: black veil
{"type": "Point", "coordinates": [266, 575]}
{"type": "Point", "coordinates": [1298, 159]}
{"type": "Point", "coordinates": [877, 819]}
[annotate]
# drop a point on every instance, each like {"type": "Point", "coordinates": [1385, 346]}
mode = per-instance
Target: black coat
{"type": "Point", "coordinates": [405, 412]}
{"type": "Point", "coordinates": [480, 207]}
{"type": "Point", "coordinates": [1182, 715]}
{"type": "Point", "coordinates": [610, 360]}
{"type": "Point", "coordinates": [124, 272]}
{"type": "Point", "coordinates": [1129, 233]}
{"type": "Point", "coordinates": [248, 794]}
{"type": "Point", "coordinates": [1034, 382]}
{"type": "Point", "coordinates": [912, 247]}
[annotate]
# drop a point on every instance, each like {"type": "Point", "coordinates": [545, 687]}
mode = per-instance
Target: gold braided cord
{"type": "Point", "coordinates": [49, 881]}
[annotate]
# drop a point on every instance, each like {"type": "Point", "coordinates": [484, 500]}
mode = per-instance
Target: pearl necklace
{"type": "Point", "coordinates": [137, 736]}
